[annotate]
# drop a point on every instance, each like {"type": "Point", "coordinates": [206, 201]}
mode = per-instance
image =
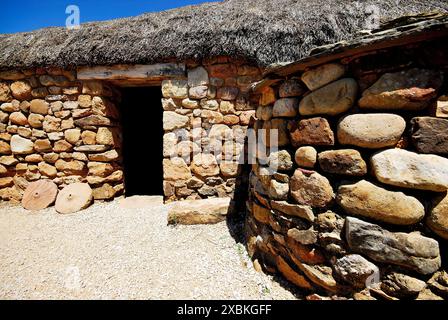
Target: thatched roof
{"type": "Point", "coordinates": [263, 31]}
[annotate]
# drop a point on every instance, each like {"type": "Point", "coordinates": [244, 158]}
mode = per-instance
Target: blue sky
{"type": "Point", "coordinates": [27, 15]}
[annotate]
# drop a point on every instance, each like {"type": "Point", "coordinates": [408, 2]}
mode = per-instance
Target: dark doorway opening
{"type": "Point", "coordinates": [141, 114]}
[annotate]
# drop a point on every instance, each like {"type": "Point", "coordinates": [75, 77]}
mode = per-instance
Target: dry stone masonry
{"type": "Point", "coordinates": [357, 205]}
{"type": "Point", "coordinates": [58, 128]}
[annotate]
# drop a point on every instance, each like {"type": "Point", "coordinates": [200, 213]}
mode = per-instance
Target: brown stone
{"type": "Point", "coordinates": [93, 120]}
{"type": "Point", "coordinates": [107, 156]}
{"type": "Point", "coordinates": [175, 169]}
{"type": "Point", "coordinates": [430, 135]}
{"type": "Point", "coordinates": [291, 88]}
{"type": "Point", "coordinates": [51, 124]}
{"type": "Point", "coordinates": [411, 89]}
{"type": "Point", "coordinates": [437, 219]}
{"type": "Point", "coordinates": [310, 188]}
{"type": "Point", "coordinates": [18, 118]}
{"type": "Point", "coordinates": [314, 131]}
{"type": "Point", "coordinates": [21, 90]}
{"type": "Point", "coordinates": [42, 145]}
{"type": "Point", "coordinates": [33, 158]}
{"type": "Point", "coordinates": [345, 162]}
{"type": "Point", "coordinates": [281, 127]}
{"type": "Point", "coordinates": [70, 167]}
{"type": "Point", "coordinates": [267, 97]}
{"type": "Point", "coordinates": [368, 200]}
{"type": "Point", "coordinates": [5, 92]}
{"type": "Point", "coordinates": [205, 165]}
{"type": "Point", "coordinates": [72, 135]}
{"type": "Point", "coordinates": [5, 148]}
{"type": "Point", "coordinates": [301, 211]}
{"type": "Point", "coordinates": [62, 146]}
{"type": "Point", "coordinates": [36, 120]}
{"type": "Point", "coordinates": [39, 106]}
{"type": "Point", "coordinates": [205, 211]}
{"type": "Point", "coordinates": [105, 192]}
{"type": "Point", "coordinates": [322, 75]}
{"type": "Point", "coordinates": [333, 99]}
{"type": "Point", "coordinates": [21, 145]}
{"type": "Point", "coordinates": [291, 275]}
{"type": "Point", "coordinates": [91, 148]}
{"type": "Point", "coordinates": [47, 169]}
{"type": "Point", "coordinates": [227, 93]}
{"type": "Point", "coordinates": [88, 137]}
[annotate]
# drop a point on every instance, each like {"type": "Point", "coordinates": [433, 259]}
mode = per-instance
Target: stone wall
{"type": "Point", "coordinates": [356, 205]}
{"type": "Point", "coordinates": [53, 126]}
{"type": "Point", "coordinates": [205, 120]}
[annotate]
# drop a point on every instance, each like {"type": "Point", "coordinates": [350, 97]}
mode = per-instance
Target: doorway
{"type": "Point", "coordinates": [141, 114]}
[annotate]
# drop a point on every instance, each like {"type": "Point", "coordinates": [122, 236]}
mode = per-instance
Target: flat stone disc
{"type": "Point", "coordinates": [73, 198]}
{"type": "Point", "coordinates": [39, 195]}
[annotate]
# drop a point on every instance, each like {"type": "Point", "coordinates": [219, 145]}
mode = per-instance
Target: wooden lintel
{"type": "Point", "coordinates": [133, 72]}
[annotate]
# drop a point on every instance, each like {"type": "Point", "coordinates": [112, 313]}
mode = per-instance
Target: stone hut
{"type": "Point", "coordinates": [348, 200]}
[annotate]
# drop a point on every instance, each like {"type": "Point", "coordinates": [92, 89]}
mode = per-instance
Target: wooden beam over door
{"type": "Point", "coordinates": [138, 72]}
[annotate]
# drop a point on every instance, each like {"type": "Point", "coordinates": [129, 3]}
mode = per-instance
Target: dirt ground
{"type": "Point", "coordinates": [109, 252]}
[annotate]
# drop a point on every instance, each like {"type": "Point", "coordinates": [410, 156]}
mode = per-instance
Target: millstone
{"type": "Point", "coordinates": [73, 198]}
{"type": "Point", "coordinates": [39, 195]}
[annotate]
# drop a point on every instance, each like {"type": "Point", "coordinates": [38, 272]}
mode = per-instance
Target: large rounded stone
{"type": "Point", "coordinates": [21, 145]}
{"type": "Point", "coordinates": [375, 130]}
{"type": "Point", "coordinates": [39, 106]}
{"type": "Point", "coordinates": [306, 157]}
{"type": "Point", "coordinates": [405, 90]}
{"type": "Point", "coordinates": [314, 131]}
{"type": "Point", "coordinates": [333, 99]}
{"type": "Point", "coordinates": [367, 200]}
{"type": "Point", "coordinates": [322, 75]}
{"type": "Point", "coordinates": [264, 113]}
{"type": "Point", "coordinates": [21, 90]}
{"type": "Point", "coordinates": [346, 162]}
{"type": "Point", "coordinates": [437, 220]}
{"type": "Point", "coordinates": [18, 118]}
{"type": "Point", "coordinates": [401, 286]}
{"type": "Point", "coordinates": [290, 88]}
{"type": "Point", "coordinates": [311, 188]}
{"type": "Point", "coordinates": [286, 107]}
{"type": "Point", "coordinates": [407, 169]}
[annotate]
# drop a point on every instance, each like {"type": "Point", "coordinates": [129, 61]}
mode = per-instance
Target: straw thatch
{"type": "Point", "coordinates": [263, 31]}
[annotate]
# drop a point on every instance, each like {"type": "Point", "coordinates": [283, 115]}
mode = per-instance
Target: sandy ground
{"type": "Point", "coordinates": [107, 252]}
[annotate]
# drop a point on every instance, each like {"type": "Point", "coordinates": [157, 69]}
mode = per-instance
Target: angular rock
{"type": "Point", "coordinates": [402, 286]}
{"type": "Point", "coordinates": [5, 148]}
{"type": "Point", "coordinates": [199, 92]}
{"type": "Point", "coordinates": [372, 130]}
{"type": "Point", "coordinates": [280, 160]}
{"type": "Point", "coordinates": [93, 120]}
{"type": "Point", "coordinates": [73, 167]}
{"type": "Point", "coordinates": [278, 190]}
{"type": "Point", "coordinates": [333, 99]}
{"type": "Point", "coordinates": [99, 169]}
{"type": "Point", "coordinates": [411, 89]}
{"type": "Point", "coordinates": [367, 200]}
{"type": "Point", "coordinates": [5, 92]}
{"type": "Point", "coordinates": [205, 211]}
{"type": "Point", "coordinates": [310, 188]}
{"type": "Point", "coordinates": [267, 96]}
{"type": "Point", "coordinates": [62, 146]}
{"type": "Point", "coordinates": [356, 270]}
{"type": "Point", "coordinates": [105, 192]}
{"type": "Point", "coordinates": [408, 250]}
{"type": "Point", "coordinates": [72, 135]}
{"type": "Point", "coordinates": [442, 107]}
{"type": "Point", "coordinates": [173, 120]}
{"type": "Point", "coordinates": [91, 148]}
{"type": "Point", "coordinates": [107, 156]}
{"type": "Point", "coordinates": [205, 165]}
{"type": "Point", "coordinates": [314, 131]}
{"type": "Point", "coordinates": [344, 162]}
{"type": "Point", "coordinates": [306, 157]}
{"type": "Point", "coordinates": [21, 145]}
{"type": "Point", "coordinates": [47, 169]}
{"type": "Point", "coordinates": [296, 210]}
{"type": "Point", "coordinates": [322, 75]}
{"type": "Point", "coordinates": [39, 106]}
{"type": "Point", "coordinates": [177, 89]}
{"type": "Point", "coordinates": [285, 107]}
{"type": "Point", "coordinates": [229, 168]}
{"type": "Point", "coordinates": [437, 219]}
{"type": "Point", "coordinates": [51, 124]}
{"type": "Point", "coordinates": [407, 169]}
{"type": "Point", "coordinates": [290, 88]}
{"type": "Point", "coordinates": [305, 237]}
{"type": "Point", "coordinates": [430, 135]}
{"type": "Point", "coordinates": [198, 77]}
{"type": "Point", "coordinates": [88, 137]}
{"type": "Point", "coordinates": [175, 169]}
{"type": "Point", "coordinates": [189, 104]}
{"type": "Point", "coordinates": [226, 107]}
{"type": "Point", "coordinates": [291, 275]}
{"type": "Point", "coordinates": [227, 93]}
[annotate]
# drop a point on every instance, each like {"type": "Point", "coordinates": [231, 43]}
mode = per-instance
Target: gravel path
{"type": "Point", "coordinates": [107, 252]}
